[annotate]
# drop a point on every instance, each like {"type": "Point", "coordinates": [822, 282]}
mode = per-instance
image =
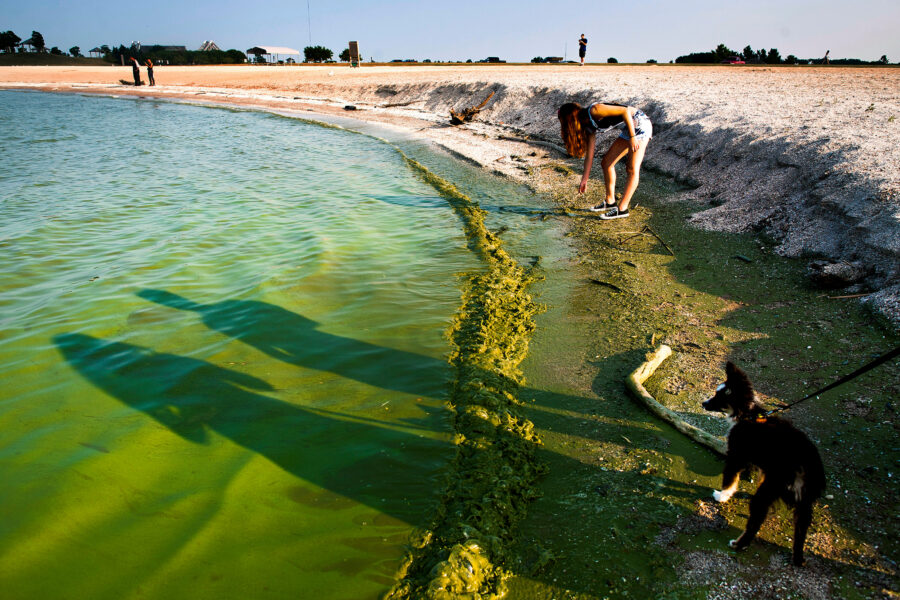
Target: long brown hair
{"type": "Point", "coordinates": [573, 131]}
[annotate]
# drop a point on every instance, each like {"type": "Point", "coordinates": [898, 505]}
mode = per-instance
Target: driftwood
{"type": "Point", "coordinates": [611, 286]}
{"type": "Point", "coordinates": [635, 385]}
{"type": "Point", "coordinates": [661, 241]}
{"type": "Point", "coordinates": [393, 104]}
{"type": "Point", "coordinates": [467, 114]}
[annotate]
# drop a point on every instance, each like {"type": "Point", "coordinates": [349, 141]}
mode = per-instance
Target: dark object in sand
{"type": "Point", "coordinates": [611, 286]}
{"type": "Point", "coordinates": [349, 107]}
{"type": "Point", "coordinates": [833, 275]}
{"type": "Point", "coordinates": [127, 82]}
{"type": "Point", "coordinates": [467, 114]}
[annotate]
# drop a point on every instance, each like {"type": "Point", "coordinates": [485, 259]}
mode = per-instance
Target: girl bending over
{"type": "Point", "coordinates": [579, 132]}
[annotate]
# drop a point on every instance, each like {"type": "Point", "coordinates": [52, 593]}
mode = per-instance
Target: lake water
{"type": "Point", "coordinates": [222, 349]}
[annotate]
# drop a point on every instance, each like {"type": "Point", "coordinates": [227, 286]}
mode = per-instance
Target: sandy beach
{"type": "Point", "coordinates": [807, 155]}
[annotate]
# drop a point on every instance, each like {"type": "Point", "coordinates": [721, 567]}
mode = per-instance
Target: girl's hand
{"type": "Point", "coordinates": [635, 144]}
{"type": "Point", "coordinates": [583, 186]}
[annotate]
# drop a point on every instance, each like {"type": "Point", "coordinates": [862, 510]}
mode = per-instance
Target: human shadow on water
{"type": "Point", "coordinates": [621, 427]}
{"type": "Point", "coordinates": [441, 202]}
{"type": "Point", "coordinates": [297, 340]}
{"type": "Point", "coordinates": [393, 468]}
{"type": "Point", "coordinates": [401, 473]}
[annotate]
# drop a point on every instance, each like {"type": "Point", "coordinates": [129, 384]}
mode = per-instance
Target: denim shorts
{"type": "Point", "coordinates": [643, 128]}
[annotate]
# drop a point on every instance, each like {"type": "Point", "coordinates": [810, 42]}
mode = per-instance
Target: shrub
{"type": "Point", "coordinates": [611, 60]}
{"type": "Point", "coordinates": [317, 54]}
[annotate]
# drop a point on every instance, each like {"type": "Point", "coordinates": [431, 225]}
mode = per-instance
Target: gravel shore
{"type": "Point", "coordinates": [808, 155]}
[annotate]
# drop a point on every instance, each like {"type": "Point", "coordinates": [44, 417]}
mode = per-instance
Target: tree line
{"type": "Point", "coordinates": [770, 57]}
{"type": "Point", "coordinates": [10, 43]}
{"type": "Point", "coordinates": [166, 56]}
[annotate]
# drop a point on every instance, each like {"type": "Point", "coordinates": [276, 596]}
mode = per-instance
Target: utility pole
{"type": "Point", "coordinates": [308, 23]}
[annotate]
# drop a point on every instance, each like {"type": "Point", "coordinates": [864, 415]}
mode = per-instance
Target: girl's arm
{"type": "Point", "coordinates": [588, 161]}
{"type": "Point", "coordinates": [629, 123]}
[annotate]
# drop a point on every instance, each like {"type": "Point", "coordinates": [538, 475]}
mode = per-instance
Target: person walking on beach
{"type": "Point", "coordinates": [136, 70]}
{"type": "Point", "coordinates": [582, 48]}
{"type": "Point", "coordinates": [579, 132]}
{"type": "Point", "coordinates": [826, 61]}
{"type": "Point", "coordinates": [150, 72]}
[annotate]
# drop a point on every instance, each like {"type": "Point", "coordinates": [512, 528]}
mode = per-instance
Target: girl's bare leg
{"type": "Point", "coordinates": [633, 169]}
{"type": "Point", "coordinates": [615, 153]}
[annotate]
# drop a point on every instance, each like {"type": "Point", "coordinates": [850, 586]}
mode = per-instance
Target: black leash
{"type": "Point", "coordinates": [863, 369]}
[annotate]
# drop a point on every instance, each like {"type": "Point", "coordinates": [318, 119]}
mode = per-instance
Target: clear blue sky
{"type": "Point", "coordinates": [630, 30]}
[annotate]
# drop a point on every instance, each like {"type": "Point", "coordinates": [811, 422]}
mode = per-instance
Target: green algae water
{"type": "Point", "coordinates": [222, 348]}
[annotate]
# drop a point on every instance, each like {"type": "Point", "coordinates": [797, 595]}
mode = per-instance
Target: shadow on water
{"type": "Point", "coordinates": [439, 202]}
{"type": "Point", "coordinates": [296, 340]}
{"type": "Point", "coordinates": [619, 503]}
{"type": "Point", "coordinates": [192, 398]}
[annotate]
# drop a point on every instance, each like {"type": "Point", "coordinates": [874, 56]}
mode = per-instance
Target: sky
{"type": "Point", "coordinates": [515, 31]}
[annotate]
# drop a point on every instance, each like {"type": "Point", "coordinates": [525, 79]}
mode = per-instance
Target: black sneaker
{"type": "Point", "coordinates": [601, 207]}
{"type": "Point", "coordinates": [614, 213]}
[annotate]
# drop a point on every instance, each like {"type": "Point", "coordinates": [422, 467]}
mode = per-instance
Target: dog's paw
{"type": "Point", "coordinates": [722, 496]}
{"type": "Point", "coordinates": [733, 544]}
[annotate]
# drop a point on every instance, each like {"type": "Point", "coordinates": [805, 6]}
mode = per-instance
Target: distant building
{"type": "Point", "coordinates": [553, 59]}
{"type": "Point", "coordinates": [493, 59]}
{"type": "Point", "coordinates": [208, 46]}
{"type": "Point", "coordinates": [272, 53]}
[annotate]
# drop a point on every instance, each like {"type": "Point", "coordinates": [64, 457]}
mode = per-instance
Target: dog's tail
{"type": "Point", "coordinates": [810, 482]}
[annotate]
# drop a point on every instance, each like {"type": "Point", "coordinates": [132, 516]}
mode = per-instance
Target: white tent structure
{"type": "Point", "coordinates": [273, 52]}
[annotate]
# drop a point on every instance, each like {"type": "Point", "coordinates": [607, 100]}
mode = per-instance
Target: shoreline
{"type": "Point", "coordinates": [626, 467]}
{"type": "Point", "coordinates": [805, 156]}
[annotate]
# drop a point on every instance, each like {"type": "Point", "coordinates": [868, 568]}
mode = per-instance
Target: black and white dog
{"type": "Point", "coordinates": [790, 464]}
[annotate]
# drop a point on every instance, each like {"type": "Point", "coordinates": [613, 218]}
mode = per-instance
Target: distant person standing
{"type": "Point", "coordinates": [150, 72]}
{"type": "Point", "coordinates": [582, 48]}
{"type": "Point", "coordinates": [826, 61]}
{"type": "Point", "coordinates": [136, 70]}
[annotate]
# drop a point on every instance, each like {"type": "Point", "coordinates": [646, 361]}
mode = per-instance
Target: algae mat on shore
{"type": "Point", "coordinates": [626, 510]}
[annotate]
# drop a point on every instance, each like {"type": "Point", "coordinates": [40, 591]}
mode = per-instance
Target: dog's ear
{"type": "Point", "coordinates": [737, 377]}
